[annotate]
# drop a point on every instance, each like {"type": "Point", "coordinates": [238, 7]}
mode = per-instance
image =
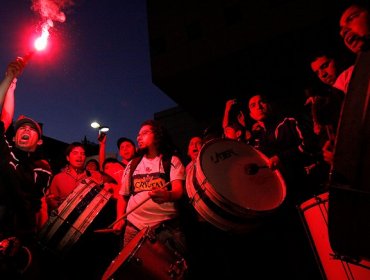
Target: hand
{"type": "Point", "coordinates": [102, 138]}
{"type": "Point", "coordinates": [10, 246]}
{"type": "Point", "coordinates": [96, 176]}
{"type": "Point", "coordinates": [241, 118]}
{"type": "Point", "coordinates": [52, 201]}
{"type": "Point", "coordinates": [256, 127]}
{"type": "Point", "coordinates": [327, 152]}
{"type": "Point", "coordinates": [160, 195]}
{"type": "Point", "coordinates": [117, 227]}
{"type": "Point", "coordinates": [317, 128]}
{"type": "Point", "coordinates": [229, 104]}
{"type": "Point", "coordinates": [309, 100]}
{"type": "Point", "coordinates": [273, 162]}
{"type": "Point", "coordinates": [15, 68]}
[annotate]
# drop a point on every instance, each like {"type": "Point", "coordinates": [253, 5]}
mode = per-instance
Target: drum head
{"type": "Point", "coordinates": [74, 216]}
{"type": "Point", "coordinates": [236, 174]}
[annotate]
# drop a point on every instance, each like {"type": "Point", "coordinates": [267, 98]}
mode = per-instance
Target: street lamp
{"type": "Point", "coordinates": [102, 128]}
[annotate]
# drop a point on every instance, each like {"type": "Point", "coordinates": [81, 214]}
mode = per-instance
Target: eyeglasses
{"type": "Point", "coordinates": [144, 133]}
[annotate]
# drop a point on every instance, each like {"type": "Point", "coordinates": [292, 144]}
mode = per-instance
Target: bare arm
{"type": "Point", "coordinates": [102, 140]}
{"type": "Point", "coordinates": [7, 113]}
{"type": "Point", "coordinates": [225, 120]}
{"type": "Point", "coordinates": [7, 87]}
{"type": "Point", "coordinates": [121, 211]}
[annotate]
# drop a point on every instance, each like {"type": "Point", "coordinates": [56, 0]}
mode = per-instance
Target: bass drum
{"type": "Point", "coordinates": [69, 222]}
{"type": "Point", "coordinates": [315, 216]}
{"type": "Point", "coordinates": [144, 257]}
{"type": "Point", "coordinates": [231, 187]}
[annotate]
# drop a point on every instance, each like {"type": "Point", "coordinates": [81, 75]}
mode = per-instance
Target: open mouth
{"type": "Point", "coordinates": [25, 137]}
{"type": "Point", "coordinates": [351, 38]}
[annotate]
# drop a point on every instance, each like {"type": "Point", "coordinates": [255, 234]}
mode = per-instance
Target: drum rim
{"type": "Point", "coordinates": [228, 221]}
{"type": "Point", "coordinates": [59, 239]}
{"type": "Point", "coordinates": [315, 200]}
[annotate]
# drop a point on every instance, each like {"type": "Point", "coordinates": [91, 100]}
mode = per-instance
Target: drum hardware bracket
{"type": "Point", "coordinates": [253, 168]}
{"type": "Point", "coordinates": [199, 191]}
{"type": "Point", "coordinates": [54, 213]}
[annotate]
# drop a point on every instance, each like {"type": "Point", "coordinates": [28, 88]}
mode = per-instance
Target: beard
{"type": "Point", "coordinates": [142, 151]}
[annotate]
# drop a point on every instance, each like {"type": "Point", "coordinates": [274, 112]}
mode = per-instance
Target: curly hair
{"type": "Point", "coordinates": [162, 139]}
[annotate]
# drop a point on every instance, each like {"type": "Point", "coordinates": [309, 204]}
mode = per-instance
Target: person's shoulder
{"type": "Point", "coordinates": [176, 162]}
{"type": "Point", "coordinates": [133, 163]}
{"type": "Point", "coordinates": [175, 158]}
{"type": "Point", "coordinates": [347, 72]}
{"type": "Point", "coordinates": [61, 174]}
{"type": "Point", "coordinates": [43, 164]}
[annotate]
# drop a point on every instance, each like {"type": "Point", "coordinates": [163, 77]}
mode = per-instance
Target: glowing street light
{"type": "Point", "coordinates": [102, 128]}
{"type": "Point", "coordinates": [95, 125]}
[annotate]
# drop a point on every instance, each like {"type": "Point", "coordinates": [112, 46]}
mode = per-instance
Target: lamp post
{"type": "Point", "coordinates": [102, 129]}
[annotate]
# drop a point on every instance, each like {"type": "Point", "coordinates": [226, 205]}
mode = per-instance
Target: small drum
{"type": "Point", "coordinates": [144, 257]}
{"type": "Point", "coordinates": [231, 186]}
{"type": "Point", "coordinates": [67, 223]}
{"type": "Point", "coordinates": [315, 216]}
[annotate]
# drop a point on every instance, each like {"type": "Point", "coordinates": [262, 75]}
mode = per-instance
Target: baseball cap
{"type": "Point", "coordinates": [22, 119]}
{"type": "Point", "coordinates": [124, 139]}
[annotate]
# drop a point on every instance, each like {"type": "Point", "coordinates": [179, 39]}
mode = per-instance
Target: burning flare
{"type": "Point", "coordinates": [41, 42]}
{"type": "Point", "coordinates": [49, 10]}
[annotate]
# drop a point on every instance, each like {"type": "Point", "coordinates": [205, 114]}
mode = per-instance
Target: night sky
{"type": "Point", "coordinates": [96, 68]}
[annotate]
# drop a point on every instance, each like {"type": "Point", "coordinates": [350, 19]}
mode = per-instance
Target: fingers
{"type": "Point", "coordinates": [160, 196]}
{"type": "Point", "coordinates": [230, 103]}
{"type": "Point", "coordinates": [15, 68]}
{"type": "Point", "coordinates": [328, 146]}
{"type": "Point", "coordinates": [117, 227]}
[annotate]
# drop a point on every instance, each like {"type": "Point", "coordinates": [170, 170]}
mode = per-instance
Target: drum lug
{"type": "Point", "coordinates": [54, 213]}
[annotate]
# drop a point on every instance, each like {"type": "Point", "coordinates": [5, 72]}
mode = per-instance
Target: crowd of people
{"type": "Point", "coordinates": [142, 197]}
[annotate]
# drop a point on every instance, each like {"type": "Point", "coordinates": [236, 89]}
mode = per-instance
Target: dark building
{"type": "Point", "coordinates": [205, 52]}
{"type": "Point", "coordinates": [54, 151]}
{"type": "Point", "coordinates": [182, 126]}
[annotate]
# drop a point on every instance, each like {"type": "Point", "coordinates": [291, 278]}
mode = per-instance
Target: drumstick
{"type": "Point", "coordinates": [104, 230]}
{"type": "Point", "coordinates": [127, 213]}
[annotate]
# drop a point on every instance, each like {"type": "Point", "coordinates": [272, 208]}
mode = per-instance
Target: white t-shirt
{"type": "Point", "coordinates": [343, 79]}
{"type": "Point", "coordinates": [149, 174]}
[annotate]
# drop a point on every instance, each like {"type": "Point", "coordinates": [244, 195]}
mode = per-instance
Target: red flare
{"type": "Point", "coordinates": [28, 56]}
